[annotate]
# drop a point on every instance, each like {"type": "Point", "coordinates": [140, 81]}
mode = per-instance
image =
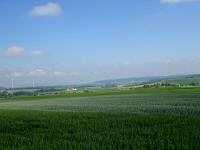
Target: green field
{"type": "Point", "coordinates": [112, 119]}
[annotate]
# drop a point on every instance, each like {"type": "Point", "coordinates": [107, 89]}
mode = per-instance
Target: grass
{"type": "Point", "coordinates": [129, 119]}
{"type": "Point", "coordinates": [177, 104]}
{"type": "Point", "coordinates": [59, 130]}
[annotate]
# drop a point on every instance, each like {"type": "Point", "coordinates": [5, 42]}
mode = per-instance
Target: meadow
{"type": "Point", "coordinates": [116, 119]}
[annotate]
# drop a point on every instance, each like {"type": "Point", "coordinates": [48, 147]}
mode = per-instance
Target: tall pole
{"type": "Point", "coordinates": [33, 84]}
{"type": "Point", "coordinates": [12, 83]}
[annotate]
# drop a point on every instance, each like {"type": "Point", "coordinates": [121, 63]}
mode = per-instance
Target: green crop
{"type": "Point", "coordinates": [120, 120]}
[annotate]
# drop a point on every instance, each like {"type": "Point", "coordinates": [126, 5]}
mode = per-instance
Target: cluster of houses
{"type": "Point", "coordinates": [71, 90]}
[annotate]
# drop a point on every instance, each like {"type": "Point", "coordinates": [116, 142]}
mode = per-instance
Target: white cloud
{"type": "Point", "coordinates": [50, 9]}
{"type": "Point", "coordinates": [9, 73]}
{"type": "Point", "coordinates": [50, 73]}
{"type": "Point", "coordinates": [15, 51]}
{"type": "Point", "coordinates": [59, 73]}
{"type": "Point", "coordinates": [36, 53]}
{"type": "Point", "coordinates": [126, 63]}
{"type": "Point", "coordinates": [176, 1]}
{"type": "Point", "coordinates": [74, 73]}
{"type": "Point", "coordinates": [67, 73]}
{"type": "Point", "coordinates": [38, 73]}
{"type": "Point", "coordinates": [17, 74]}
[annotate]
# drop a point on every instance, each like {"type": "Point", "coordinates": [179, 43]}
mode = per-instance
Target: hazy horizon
{"type": "Point", "coordinates": [62, 42]}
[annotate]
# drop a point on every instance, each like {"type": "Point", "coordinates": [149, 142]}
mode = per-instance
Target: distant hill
{"type": "Point", "coordinates": [179, 79]}
{"type": "Point", "coordinates": [125, 81]}
{"type": "Point", "coordinates": [183, 80]}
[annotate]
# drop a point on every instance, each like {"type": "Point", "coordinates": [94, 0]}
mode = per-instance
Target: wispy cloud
{"type": "Point", "coordinates": [50, 9]}
{"type": "Point", "coordinates": [16, 74]}
{"type": "Point", "coordinates": [176, 1]}
{"type": "Point", "coordinates": [15, 51]}
{"type": "Point", "coordinates": [38, 73]}
{"type": "Point", "coordinates": [59, 73]}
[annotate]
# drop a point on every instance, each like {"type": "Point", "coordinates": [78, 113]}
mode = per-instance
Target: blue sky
{"type": "Point", "coordinates": [65, 42]}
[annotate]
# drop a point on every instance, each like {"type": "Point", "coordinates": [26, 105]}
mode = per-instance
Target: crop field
{"type": "Point", "coordinates": [158, 119]}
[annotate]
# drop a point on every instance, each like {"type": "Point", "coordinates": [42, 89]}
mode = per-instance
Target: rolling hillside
{"type": "Point", "coordinates": [182, 80]}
